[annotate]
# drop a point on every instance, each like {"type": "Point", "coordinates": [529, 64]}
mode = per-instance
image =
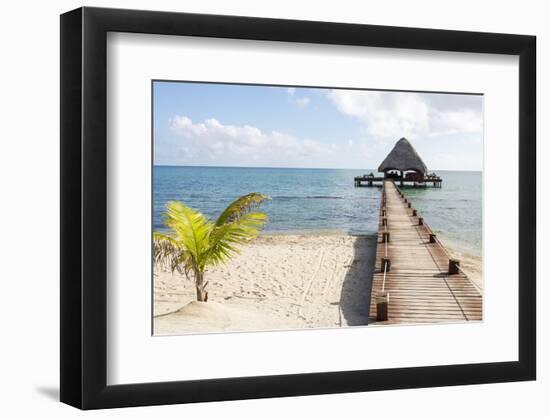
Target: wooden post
{"type": "Point", "coordinates": [383, 212]}
{"type": "Point", "coordinates": [420, 221]}
{"type": "Point", "coordinates": [386, 237]}
{"type": "Point", "coordinates": [386, 264]}
{"type": "Point", "coordinates": [453, 266]}
{"type": "Point", "coordinates": [414, 213]}
{"type": "Point", "coordinates": [382, 302]}
{"type": "Point", "coordinates": [405, 200]}
{"type": "Point", "coordinates": [384, 221]}
{"type": "Point", "coordinates": [409, 204]}
{"type": "Point", "coordinates": [432, 238]}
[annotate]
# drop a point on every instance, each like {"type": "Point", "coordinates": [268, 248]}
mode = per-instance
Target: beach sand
{"type": "Point", "coordinates": [471, 265]}
{"type": "Point", "coordinates": [279, 281]}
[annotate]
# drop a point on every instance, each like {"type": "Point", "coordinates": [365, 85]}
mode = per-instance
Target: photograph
{"type": "Point", "coordinates": [291, 208]}
{"type": "Point", "coordinates": [279, 205]}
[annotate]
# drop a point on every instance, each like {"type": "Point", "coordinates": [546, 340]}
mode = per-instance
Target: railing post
{"type": "Point", "coordinates": [384, 221]}
{"type": "Point", "coordinates": [383, 212]}
{"type": "Point", "coordinates": [386, 237]}
{"type": "Point", "coordinates": [382, 303]}
{"type": "Point", "coordinates": [414, 213]}
{"type": "Point", "coordinates": [432, 238]}
{"type": "Point", "coordinates": [386, 264]}
{"type": "Point", "coordinates": [420, 221]}
{"type": "Point", "coordinates": [453, 266]}
{"type": "Point", "coordinates": [409, 204]}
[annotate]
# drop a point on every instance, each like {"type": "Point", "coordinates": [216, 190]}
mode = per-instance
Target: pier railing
{"type": "Point", "coordinates": [428, 283]}
{"type": "Point", "coordinates": [371, 180]}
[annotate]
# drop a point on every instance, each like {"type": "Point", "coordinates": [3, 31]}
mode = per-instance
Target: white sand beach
{"type": "Point", "coordinates": [471, 265]}
{"type": "Point", "coordinates": [279, 281]}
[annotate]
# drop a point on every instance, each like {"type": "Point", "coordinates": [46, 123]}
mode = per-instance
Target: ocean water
{"type": "Point", "coordinates": [309, 200]}
{"type": "Point", "coordinates": [453, 211]}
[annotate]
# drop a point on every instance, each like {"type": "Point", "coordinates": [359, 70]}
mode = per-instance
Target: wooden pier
{"type": "Point", "coordinates": [415, 279]}
{"type": "Point", "coordinates": [370, 181]}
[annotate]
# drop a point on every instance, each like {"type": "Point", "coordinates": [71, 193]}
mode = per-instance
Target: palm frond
{"type": "Point", "coordinates": [194, 241]}
{"type": "Point", "coordinates": [191, 228]}
{"type": "Point", "coordinates": [164, 246]}
{"type": "Point", "coordinates": [226, 239]}
{"type": "Point", "coordinates": [169, 252]}
{"type": "Point", "coordinates": [239, 207]}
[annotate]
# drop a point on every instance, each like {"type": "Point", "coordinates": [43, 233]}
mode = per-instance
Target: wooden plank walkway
{"type": "Point", "coordinates": [418, 282]}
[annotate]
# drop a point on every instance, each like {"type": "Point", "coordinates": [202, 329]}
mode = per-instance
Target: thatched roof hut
{"type": "Point", "coordinates": [403, 157]}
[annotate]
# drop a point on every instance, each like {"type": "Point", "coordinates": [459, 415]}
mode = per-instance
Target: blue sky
{"type": "Point", "coordinates": [241, 125]}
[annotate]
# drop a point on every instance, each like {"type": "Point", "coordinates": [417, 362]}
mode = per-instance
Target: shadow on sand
{"type": "Point", "coordinates": [356, 289]}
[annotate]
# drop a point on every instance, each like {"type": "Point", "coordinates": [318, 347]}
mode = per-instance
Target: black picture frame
{"type": "Point", "coordinates": [84, 207]}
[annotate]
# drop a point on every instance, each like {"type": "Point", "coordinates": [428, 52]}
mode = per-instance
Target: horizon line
{"type": "Point", "coordinates": [279, 167]}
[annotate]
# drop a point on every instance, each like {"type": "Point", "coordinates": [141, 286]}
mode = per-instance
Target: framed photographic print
{"type": "Point", "coordinates": [258, 207]}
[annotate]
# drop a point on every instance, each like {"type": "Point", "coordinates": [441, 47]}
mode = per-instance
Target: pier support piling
{"type": "Point", "coordinates": [453, 266]}
{"type": "Point", "coordinates": [427, 283]}
{"type": "Point", "coordinates": [386, 264]}
{"type": "Point", "coordinates": [382, 303]}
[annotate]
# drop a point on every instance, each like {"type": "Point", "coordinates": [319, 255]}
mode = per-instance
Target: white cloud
{"type": "Point", "coordinates": [212, 140]}
{"type": "Point", "coordinates": [299, 101]}
{"type": "Point", "coordinates": [395, 114]}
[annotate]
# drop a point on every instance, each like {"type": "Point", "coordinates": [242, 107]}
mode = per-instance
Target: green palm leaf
{"type": "Point", "coordinates": [194, 241]}
{"type": "Point", "coordinates": [240, 206]}
{"type": "Point", "coordinates": [225, 239]}
{"type": "Point", "coordinates": [191, 228]}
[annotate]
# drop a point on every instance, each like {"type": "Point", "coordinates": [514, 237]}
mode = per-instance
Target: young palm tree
{"type": "Point", "coordinates": [195, 242]}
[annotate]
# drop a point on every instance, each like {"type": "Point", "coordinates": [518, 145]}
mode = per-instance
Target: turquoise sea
{"type": "Point", "coordinates": [310, 200]}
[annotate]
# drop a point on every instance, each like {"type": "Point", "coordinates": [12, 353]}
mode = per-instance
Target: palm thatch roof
{"type": "Point", "coordinates": [403, 157]}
